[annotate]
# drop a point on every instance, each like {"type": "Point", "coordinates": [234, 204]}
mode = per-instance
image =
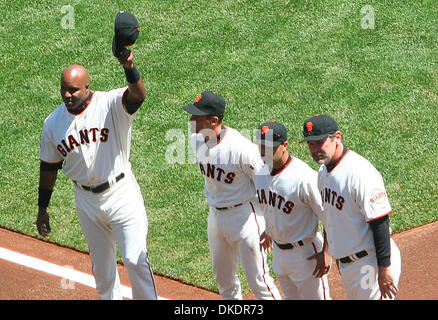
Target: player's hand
{"type": "Point", "coordinates": [387, 285]}
{"type": "Point", "coordinates": [127, 61]}
{"type": "Point", "coordinates": [42, 222]}
{"type": "Point", "coordinates": [265, 242]}
{"type": "Point", "coordinates": [323, 263]}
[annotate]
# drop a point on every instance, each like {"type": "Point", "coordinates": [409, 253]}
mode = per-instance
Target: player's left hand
{"type": "Point", "coordinates": [127, 61]}
{"type": "Point", "coordinates": [323, 263]}
{"type": "Point", "coordinates": [387, 285]}
{"type": "Point", "coordinates": [42, 222]}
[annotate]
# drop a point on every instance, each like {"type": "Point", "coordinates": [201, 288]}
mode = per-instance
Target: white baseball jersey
{"type": "Point", "coordinates": [291, 201]}
{"type": "Point", "coordinates": [353, 194]}
{"type": "Point", "coordinates": [228, 168]}
{"type": "Point", "coordinates": [94, 144]}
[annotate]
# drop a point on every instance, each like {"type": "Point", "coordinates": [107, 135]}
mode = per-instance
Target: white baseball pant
{"type": "Point", "coordinates": [232, 234]}
{"type": "Point", "coordinates": [117, 215]}
{"type": "Point", "coordinates": [294, 271]}
{"type": "Point", "coordinates": [360, 277]}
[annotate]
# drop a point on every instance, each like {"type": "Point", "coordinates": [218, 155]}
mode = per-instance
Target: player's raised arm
{"type": "Point", "coordinates": [126, 29]}
{"type": "Point", "coordinates": [136, 90]}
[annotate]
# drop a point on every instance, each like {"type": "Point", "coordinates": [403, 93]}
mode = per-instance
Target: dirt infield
{"type": "Point", "coordinates": [419, 279]}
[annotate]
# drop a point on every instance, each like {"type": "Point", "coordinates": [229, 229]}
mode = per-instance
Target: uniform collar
{"type": "Point", "coordinates": [221, 134]}
{"type": "Point", "coordinates": [219, 137]}
{"type": "Point", "coordinates": [278, 170]}
{"type": "Point", "coordinates": [333, 164]}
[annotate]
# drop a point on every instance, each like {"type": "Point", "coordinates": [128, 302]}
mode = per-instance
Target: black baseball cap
{"type": "Point", "coordinates": [208, 103]}
{"type": "Point", "coordinates": [126, 30]}
{"type": "Point", "coordinates": [319, 127]}
{"type": "Point", "coordinates": [271, 134]}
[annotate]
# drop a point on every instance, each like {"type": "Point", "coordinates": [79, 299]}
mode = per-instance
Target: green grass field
{"type": "Point", "coordinates": [271, 60]}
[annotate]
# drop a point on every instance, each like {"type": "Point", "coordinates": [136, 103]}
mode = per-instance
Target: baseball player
{"type": "Point", "coordinates": [89, 137]}
{"type": "Point", "coordinates": [288, 193]}
{"type": "Point", "coordinates": [227, 160]}
{"type": "Point", "coordinates": [355, 216]}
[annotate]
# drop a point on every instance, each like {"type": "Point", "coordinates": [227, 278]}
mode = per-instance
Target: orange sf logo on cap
{"type": "Point", "coordinates": [199, 97]}
{"type": "Point", "coordinates": [309, 126]}
{"type": "Point", "coordinates": [265, 130]}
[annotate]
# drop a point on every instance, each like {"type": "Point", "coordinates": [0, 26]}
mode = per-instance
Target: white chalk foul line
{"type": "Point", "coordinates": [64, 272]}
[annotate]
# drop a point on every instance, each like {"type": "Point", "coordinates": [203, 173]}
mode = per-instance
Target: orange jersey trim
{"type": "Point", "coordinates": [379, 217]}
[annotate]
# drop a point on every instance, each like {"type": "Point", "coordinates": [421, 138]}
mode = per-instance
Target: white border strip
{"type": "Point", "coordinates": [66, 272]}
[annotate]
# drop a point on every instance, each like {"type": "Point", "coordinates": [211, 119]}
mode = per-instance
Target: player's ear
{"type": "Point", "coordinates": [214, 120]}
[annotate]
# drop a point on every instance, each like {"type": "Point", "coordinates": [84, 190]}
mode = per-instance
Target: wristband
{"type": "Point", "coordinates": [132, 75]}
{"type": "Point", "coordinates": [44, 196]}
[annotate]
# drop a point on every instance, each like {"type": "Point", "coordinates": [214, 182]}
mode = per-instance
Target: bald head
{"type": "Point", "coordinates": [75, 73]}
{"type": "Point", "coordinates": [75, 86]}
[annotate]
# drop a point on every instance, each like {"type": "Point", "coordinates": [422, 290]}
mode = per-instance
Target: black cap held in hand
{"type": "Point", "coordinates": [208, 103]}
{"type": "Point", "coordinates": [126, 30]}
{"type": "Point", "coordinates": [271, 134]}
{"type": "Point", "coordinates": [319, 127]}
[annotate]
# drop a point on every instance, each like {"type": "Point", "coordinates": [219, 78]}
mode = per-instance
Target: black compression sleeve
{"type": "Point", "coordinates": [131, 108]}
{"type": "Point", "coordinates": [380, 228]}
{"type": "Point", "coordinates": [44, 166]}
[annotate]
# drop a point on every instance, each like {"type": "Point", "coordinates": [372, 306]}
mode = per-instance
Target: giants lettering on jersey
{"type": "Point", "coordinates": [331, 197]}
{"type": "Point", "coordinates": [272, 198]}
{"type": "Point", "coordinates": [217, 173]}
{"type": "Point", "coordinates": [85, 136]}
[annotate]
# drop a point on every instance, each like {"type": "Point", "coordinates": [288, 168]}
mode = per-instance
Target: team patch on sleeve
{"type": "Point", "coordinates": [378, 196]}
{"type": "Point", "coordinates": [378, 205]}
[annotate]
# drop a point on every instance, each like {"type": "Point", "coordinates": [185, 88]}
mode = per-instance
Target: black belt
{"type": "Point", "coordinates": [102, 187]}
{"type": "Point", "coordinates": [354, 257]}
{"type": "Point", "coordinates": [224, 208]}
{"type": "Point", "coordinates": [286, 246]}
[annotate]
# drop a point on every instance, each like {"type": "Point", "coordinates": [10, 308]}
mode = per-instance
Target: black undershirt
{"type": "Point", "coordinates": [131, 108]}
{"type": "Point", "coordinates": [380, 228]}
{"type": "Point", "coordinates": [44, 166]}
